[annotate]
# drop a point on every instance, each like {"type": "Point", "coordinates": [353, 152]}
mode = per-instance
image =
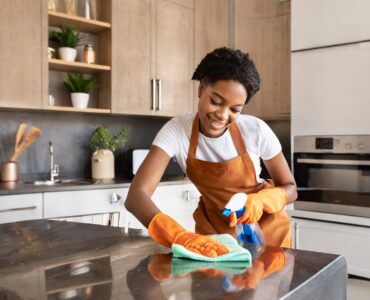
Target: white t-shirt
{"type": "Point", "coordinates": [260, 140]}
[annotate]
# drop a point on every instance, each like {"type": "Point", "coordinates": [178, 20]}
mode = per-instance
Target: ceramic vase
{"type": "Point", "coordinates": [102, 165]}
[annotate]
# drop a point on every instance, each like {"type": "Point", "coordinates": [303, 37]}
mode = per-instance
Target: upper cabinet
{"type": "Point", "coordinates": [92, 21]}
{"type": "Point", "coordinates": [23, 53]}
{"type": "Point", "coordinates": [317, 23]}
{"type": "Point", "coordinates": [211, 22]}
{"type": "Point", "coordinates": [153, 55]}
{"type": "Point", "coordinates": [262, 29]}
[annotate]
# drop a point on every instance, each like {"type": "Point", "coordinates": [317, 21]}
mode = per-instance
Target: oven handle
{"type": "Point", "coordinates": [333, 162]}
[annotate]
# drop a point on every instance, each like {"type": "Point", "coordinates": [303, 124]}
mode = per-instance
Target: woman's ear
{"type": "Point", "coordinates": [201, 89]}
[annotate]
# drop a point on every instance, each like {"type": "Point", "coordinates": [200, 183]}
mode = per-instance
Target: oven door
{"type": "Point", "coordinates": [333, 183]}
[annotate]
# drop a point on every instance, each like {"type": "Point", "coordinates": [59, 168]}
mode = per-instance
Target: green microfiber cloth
{"type": "Point", "coordinates": [236, 254]}
{"type": "Point", "coordinates": [181, 266]}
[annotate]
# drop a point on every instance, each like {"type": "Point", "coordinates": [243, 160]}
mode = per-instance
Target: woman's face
{"type": "Point", "coordinates": [219, 105]}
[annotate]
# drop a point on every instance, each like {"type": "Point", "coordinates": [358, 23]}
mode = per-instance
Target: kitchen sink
{"type": "Point", "coordinates": [60, 182]}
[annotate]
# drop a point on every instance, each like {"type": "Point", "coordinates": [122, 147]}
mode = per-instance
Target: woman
{"type": "Point", "coordinates": [220, 151]}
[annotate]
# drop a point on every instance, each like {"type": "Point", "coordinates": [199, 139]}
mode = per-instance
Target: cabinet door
{"type": "Point", "coordinates": [23, 53]}
{"type": "Point", "coordinates": [211, 21]}
{"type": "Point", "coordinates": [173, 58]}
{"type": "Point", "coordinates": [267, 40]}
{"type": "Point", "coordinates": [178, 201]}
{"type": "Point", "coordinates": [85, 203]}
{"type": "Point", "coordinates": [15, 208]}
{"type": "Point", "coordinates": [317, 23]}
{"type": "Point", "coordinates": [131, 75]}
{"type": "Point", "coordinates": [351, 241]}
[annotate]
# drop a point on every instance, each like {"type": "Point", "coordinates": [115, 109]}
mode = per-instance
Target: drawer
{"type": "Point", "coordinates": [15, 208]}
{"type": "Point", "coordinates": [353, 242]}
{"type": "Point", "coordinates": [78, 203]}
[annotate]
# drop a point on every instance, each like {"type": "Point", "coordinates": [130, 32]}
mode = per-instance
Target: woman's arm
{"type": "Point", "coordinates": [139, 201]}
{"type": "Point", "coordinates": [280, 173]}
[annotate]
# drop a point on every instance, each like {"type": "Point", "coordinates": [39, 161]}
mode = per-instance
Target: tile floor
{"type": "Point", "coordinates": [358, 289]}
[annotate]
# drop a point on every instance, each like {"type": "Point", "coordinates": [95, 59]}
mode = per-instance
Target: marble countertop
{"type": "Point", "coordinates": [44, 259]}
{"type": "Point", "coordinates": [13, 188]}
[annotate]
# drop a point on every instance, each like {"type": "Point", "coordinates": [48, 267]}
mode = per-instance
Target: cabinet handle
{"type": "Point", "coordinates": [19, 208]}
{"type": "Point", "coordinates": [115, 198]}
{"type": "Point", "coordinates": [154, 94]}
{"type": "Point", "coordinates": [296, 235]}
{"type": "Point", "coordinates": [159, 82]}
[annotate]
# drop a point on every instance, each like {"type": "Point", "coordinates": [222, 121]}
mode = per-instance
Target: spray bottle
{"type": "Point", "coordinates": [250, 233]}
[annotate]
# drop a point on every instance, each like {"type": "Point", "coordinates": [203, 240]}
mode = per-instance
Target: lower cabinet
{"type": "Point", "coordinates": [22, 207]}
{"type": "Point", "coordinates": [353, 242]}
{"type": "Point", "coordinates": [103, 207]}
{"type": "Point", "coordinates": [178, 201]}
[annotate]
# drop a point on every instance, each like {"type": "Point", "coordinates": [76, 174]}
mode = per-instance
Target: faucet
{"type": "Point", "coordinates": [54, 168]}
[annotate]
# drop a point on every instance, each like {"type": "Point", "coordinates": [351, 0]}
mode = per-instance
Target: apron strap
{"type": "Point", "coordinates": [237, 138]}
{"type": "Point", "coordinates": [193, 143]}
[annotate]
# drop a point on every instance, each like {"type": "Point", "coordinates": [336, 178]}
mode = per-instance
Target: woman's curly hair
{"type": "Point", "coordinates": [229, 64]}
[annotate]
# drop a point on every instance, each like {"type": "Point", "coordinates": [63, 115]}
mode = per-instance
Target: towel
{"type": "Point", "coordinates": [236, 254]}
{"type": "Point", "coordinates": [180, 266]}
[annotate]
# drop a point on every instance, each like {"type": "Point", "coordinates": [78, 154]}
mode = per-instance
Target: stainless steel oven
{"type": "Point", "coordinates": [333, 174]}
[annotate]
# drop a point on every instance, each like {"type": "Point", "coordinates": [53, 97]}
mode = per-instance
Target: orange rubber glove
{"type": "Point", "coordinates": [166, 231]}
{"type": "Point", "coordinates": [270, 261]}
{"type": "Point", "coordinates": [270, 200]}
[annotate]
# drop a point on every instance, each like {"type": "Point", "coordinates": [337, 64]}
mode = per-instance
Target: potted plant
{"type": "Point", "coordinates": [79, 86]}
{"type": "Point", "coordinates": [67, 39]}
{"type": "Point", "coordinates": [104, 144]}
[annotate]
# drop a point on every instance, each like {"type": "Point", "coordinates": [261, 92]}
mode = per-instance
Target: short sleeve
{"type": "Point", "coordinates": [269, 144]}
{"type": "Point", "coordinates": [168, 136]}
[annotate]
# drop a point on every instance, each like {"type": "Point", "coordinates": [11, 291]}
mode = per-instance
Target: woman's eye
{"type": "Point", "coordinates": [214, 102]}
{"type": "Point", "coordinates": [235, 111]}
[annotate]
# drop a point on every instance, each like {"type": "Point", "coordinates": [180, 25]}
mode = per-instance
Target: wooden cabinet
{"type": "Point", "coordinates": [22, 207]}
{"type": "Point", "coordinates": [104, 207]}
{"type": "Point", "coordinates": [153, 54]}
{"type": "Point", "coordinates": [211, 31]}
{"type": "Point", "coordinates": [262, 28]}
{"type": "Point", "coordinates": [23, 53]}
{"type": "Point", "coordinates": [96, 32]}
{"type": "Point", "coordinates": [351, 241]}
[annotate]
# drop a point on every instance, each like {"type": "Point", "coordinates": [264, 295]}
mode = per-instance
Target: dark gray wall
{"type": "Point", "coordinates": [70, 133]}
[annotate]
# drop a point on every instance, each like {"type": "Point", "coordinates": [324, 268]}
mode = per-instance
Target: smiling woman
{"type": "Point", "coordinates": [220, 151]}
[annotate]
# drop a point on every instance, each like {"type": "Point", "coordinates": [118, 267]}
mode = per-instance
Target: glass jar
{"type": "Point", "coordinates": [89, 54]}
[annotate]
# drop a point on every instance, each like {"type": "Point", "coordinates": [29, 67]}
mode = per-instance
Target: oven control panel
{"type": "Point", "coordinates": [332, 144]}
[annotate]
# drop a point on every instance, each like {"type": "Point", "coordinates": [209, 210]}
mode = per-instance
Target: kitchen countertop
{"type": "Point", "coordinates": [44, 259]}
{"type": "Point", "coordinates": [13, 188]}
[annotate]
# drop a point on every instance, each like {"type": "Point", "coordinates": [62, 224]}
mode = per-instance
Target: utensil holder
{"type": "Point", "coordinates": [9, 171]}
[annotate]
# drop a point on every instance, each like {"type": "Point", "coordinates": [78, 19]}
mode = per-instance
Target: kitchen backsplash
{"type": "Point", "coordinates": [70, 134]}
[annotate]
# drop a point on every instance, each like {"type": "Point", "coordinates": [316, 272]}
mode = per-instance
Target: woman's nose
{"type": "Point", "coordinates": [222, 114]}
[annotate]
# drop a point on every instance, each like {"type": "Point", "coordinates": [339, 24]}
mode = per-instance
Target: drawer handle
{"type": "Point", "coordinates": [189, 196]}
{"type": "Point", "coordinates": [19, 208]}
{"type": "Point", "coordinates": [115, 198]}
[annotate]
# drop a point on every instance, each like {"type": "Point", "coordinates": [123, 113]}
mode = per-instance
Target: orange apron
{"type": "Point", "coordinates": [218, 181]}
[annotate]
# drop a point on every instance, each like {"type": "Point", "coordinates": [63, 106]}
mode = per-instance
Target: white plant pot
{"type": "Point", "coordinates": [67, 54]}
{"type": "Point", "coordinates": [80, 100]}
{"type": "Point", "coordinates": [102, 164]}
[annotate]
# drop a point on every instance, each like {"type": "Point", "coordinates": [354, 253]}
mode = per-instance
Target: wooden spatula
{"type": "Point", "coordinates": [30, 138]}
{"type": "Point", "coordinates": [19, 135]}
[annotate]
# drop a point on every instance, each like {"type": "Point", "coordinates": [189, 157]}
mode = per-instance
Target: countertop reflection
{"type": "Point", "coordinates": [44, 259]}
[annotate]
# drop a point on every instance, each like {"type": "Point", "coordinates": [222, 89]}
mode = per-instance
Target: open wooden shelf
{"type": "Point", "coordinates": [81, 24]}
{"type": "Point", "coordinates": [66, 66]}
{"type": "Point", "coordinates": [74, 109]}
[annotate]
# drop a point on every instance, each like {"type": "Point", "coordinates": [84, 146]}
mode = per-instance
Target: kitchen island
{"type": "Point", "coordinates": [43, 259]}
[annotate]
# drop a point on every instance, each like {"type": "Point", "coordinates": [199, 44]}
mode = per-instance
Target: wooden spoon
{"type": "Point", "coordinates": [30, 138]}
{"type": "Point", "coordinates": [19, 135]}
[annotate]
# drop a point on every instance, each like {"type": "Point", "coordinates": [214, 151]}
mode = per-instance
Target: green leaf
{"type": "Point", "coordinates": [101, 139]}
{"type": "Point", "coordinates": [78, 83]}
